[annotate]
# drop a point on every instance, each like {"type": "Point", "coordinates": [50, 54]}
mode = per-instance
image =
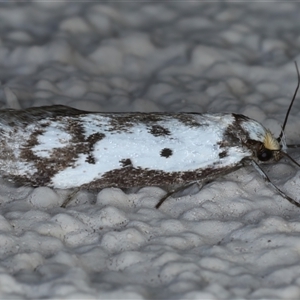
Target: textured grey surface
{"type": "Point", "coordinates": [234, 239]}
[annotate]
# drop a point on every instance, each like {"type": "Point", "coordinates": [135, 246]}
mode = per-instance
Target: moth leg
{"type": "Point", "coordinates": [170, 193]}
{"type": "Point", "coordinates": [268, 181]}
{"type": "Point", "coordinates": [69, 198]}
{"type": "Point", "coordinates": [162, 200]}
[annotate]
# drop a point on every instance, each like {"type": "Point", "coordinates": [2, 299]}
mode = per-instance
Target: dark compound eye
{"type": "Point", "coordinates": [265, 154]}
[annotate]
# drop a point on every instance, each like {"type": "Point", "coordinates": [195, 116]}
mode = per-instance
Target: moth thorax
{"type": "Point", "coordinates": [270, 142]}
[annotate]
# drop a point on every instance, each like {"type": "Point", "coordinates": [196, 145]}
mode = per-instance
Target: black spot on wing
{"type": "Point", "coordinates": [90, 159]}
{"type": "Point", "coordinates": [158, 130]}
{"type": "Point", "coordinates": [166, 152]}
{"type": "Point", "coordinates": [223, 154]}
{"type": "Point", "coordinates": [126, 162]}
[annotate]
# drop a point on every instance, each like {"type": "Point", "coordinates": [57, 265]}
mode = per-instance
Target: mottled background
{"type": "Point", "coordinates": [234, 239]}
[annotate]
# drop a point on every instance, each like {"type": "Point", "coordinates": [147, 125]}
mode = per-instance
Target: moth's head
{"type": "Point", "coordinates": [262, 143]}
{"type": "Point", "coordinates": [269, 149]}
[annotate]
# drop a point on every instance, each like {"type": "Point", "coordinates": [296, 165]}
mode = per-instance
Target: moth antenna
{"type": "Point", "coordinates": [174, 191]}
{"type": "Point", "coordinates": [293, 146]}
{"type": "Point", "coordinates": [290, 158]}
{"type": "Point", "coordinates": [291, 104]}
{"type": "Point", "coordinates": [162, 200]}
{"type": "Point", "coordinates": [268, 181]}
{"type": "Point", "coordinates": [69, 198]}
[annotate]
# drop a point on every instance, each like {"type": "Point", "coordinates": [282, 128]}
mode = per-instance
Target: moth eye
{"type": "Point", "coordinates": [265, 154]}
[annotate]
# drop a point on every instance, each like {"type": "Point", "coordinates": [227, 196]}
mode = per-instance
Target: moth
{"type": "Point", "coordinates": [65, 148]}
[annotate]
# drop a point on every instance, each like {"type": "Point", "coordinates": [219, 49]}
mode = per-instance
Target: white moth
{"type": "Point", "coordinates": [63, 148]}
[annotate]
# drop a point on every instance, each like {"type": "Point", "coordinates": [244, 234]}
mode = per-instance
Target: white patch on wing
{"type": "Point", "coordinates": [193, 148]}
{"type": "Point", "coordinates": [256, 131]}
{"type": "Point", "coordinates": [54, 137]}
